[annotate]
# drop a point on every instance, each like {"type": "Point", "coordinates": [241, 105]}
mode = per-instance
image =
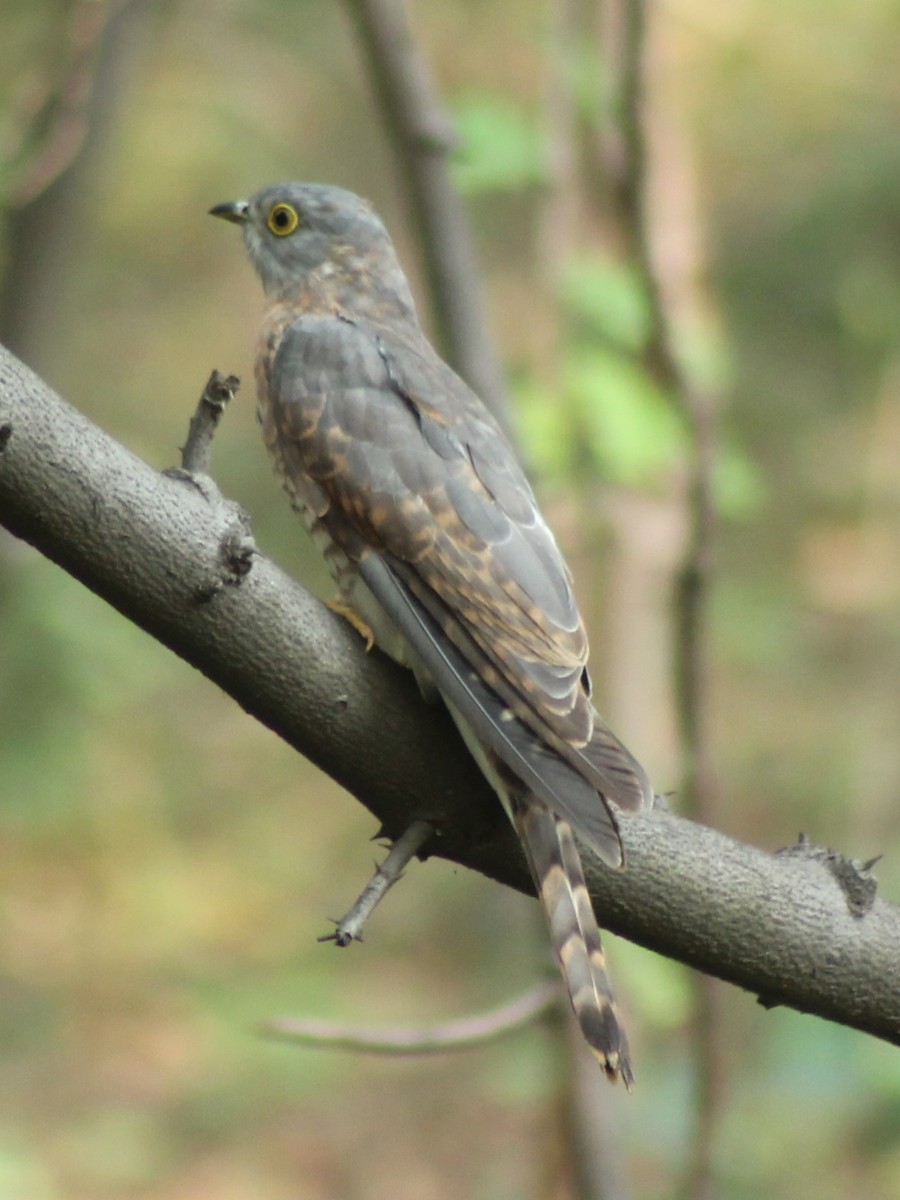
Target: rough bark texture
{"type": "Point", "coordinates": [174, 558]}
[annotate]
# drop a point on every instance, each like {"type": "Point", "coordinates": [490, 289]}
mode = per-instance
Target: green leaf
{"type": "Point", "coordinates": [547, 430]}
{"type": "Point", "coordinates": [632, 430]}
{"type": "Point", "coordinates": [501, 146]}
{"type": "Point", "coordinates": [609, 414]}
{"type": "Point", "coordinates": [610, 299]}
{"type": "Point", "coordinates": [739, 488]}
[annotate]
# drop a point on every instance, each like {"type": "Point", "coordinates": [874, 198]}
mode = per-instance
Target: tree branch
{"type": "Point", "coordinates": [469, 1033]}
{"type": "Point", "coordinates": [164, 554]}
{"type": "Point", "coordinates": [423, 137]}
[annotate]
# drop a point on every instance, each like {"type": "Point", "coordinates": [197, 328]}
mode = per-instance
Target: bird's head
{"type": "Point", "coordinates": [312, 237]}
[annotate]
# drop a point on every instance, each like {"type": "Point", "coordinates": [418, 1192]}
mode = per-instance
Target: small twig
{"type": "Point", "coordinates": [349, 928]}
{"type": "Point", "coordinates": [196, 455]}
{"type": "Point", "coordinates": [236, 547]}
{"type": "Point", "coordinates": [466, 1034]}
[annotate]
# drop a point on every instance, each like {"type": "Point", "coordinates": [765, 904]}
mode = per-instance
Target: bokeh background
{"type": "Point", "coordinates": [166, 864]}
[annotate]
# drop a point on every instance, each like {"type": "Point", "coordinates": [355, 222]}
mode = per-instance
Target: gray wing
{"type": "Point", "coordinates": [415, 482]}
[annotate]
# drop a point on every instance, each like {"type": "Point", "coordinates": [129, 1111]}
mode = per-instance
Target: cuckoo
{"type": "Point", "coordinates": [433, 535]}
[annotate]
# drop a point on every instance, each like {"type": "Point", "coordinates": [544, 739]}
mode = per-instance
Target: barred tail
{"type": "Point", "coordinates": [559, 878]}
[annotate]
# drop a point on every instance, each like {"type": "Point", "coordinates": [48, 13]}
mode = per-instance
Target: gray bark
{"type": "Point", "coordinates": [797, 929]}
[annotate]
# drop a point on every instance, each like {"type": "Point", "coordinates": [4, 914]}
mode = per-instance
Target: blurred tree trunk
{"type": "Point", "coordinates": [657, 207]}
{"type": "Point", "coordinates": [621, 181]}
{"type": "Point", "coordinates": [61, 155]}
{"type": "Point", "coordinates": [422, 138]}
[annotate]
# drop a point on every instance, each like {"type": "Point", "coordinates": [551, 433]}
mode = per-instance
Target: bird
{"type": "Point", "coordinates": [439, 550]}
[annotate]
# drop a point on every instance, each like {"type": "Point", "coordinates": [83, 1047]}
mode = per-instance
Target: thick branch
{"type": "Point", "coordinates": [173, 558]}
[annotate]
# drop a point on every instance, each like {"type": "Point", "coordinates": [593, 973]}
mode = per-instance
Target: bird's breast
{"type": "Point", "coordinates": [311, 504]}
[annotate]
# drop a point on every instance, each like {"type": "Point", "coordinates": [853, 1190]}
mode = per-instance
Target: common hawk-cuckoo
{"type": "Point", "coordinates": [432, 532]}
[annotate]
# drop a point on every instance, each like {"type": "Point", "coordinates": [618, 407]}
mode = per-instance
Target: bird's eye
{"type": "Point", "coordinates": [283, 219]}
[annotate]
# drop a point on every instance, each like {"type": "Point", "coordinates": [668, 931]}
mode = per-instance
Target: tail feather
{"type": "Point", "coordinates": [556, 867]}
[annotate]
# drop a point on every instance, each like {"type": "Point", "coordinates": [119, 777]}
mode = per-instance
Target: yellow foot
{"type": "Point", "coordinates": [350, 614]}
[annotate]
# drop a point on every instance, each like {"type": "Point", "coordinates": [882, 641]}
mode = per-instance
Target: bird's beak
{"type": "Point", "coordinates": [236, 211]}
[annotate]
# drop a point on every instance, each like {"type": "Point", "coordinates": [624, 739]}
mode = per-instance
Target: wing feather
{"type": "Point", "coordinates": [424, 493]}
{"type": "Point", "coordinates": [544, 773]}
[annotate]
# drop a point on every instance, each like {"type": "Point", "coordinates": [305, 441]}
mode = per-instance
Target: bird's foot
{"type": "Point", "coordinates": [350, 614]}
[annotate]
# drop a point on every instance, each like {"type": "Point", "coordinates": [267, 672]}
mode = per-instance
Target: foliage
{"type": "Point", "coordinates": [499, 148]}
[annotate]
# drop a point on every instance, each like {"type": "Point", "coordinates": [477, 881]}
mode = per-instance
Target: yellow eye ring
{"type": "Point", "coordinates": [283, 219]}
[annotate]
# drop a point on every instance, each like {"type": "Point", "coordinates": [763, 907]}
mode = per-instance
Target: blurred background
{"type": "Point", "coordinates": [166, 864]}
